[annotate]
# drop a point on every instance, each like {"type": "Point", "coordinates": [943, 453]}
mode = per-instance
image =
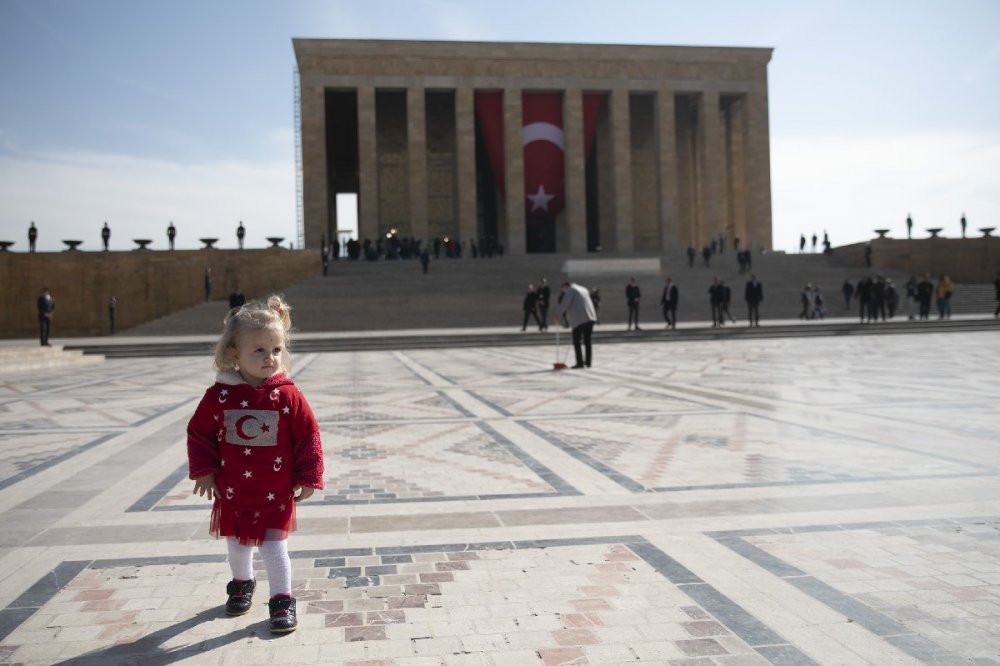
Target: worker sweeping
{"type": "Point", "coordinates": [574, 302]}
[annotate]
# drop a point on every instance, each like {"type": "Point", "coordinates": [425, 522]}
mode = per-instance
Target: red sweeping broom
{"type": "Point", "coordinates": [560, 360]}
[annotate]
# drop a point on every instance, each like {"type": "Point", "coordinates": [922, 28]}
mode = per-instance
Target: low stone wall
{"type": "Point", "coordinates": [965, 260]}
{"type": "Point", "coordinates": [147, 284]}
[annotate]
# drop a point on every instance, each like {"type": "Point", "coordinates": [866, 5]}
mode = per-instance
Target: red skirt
{"type": "Point", "coordinates": [250, 524]}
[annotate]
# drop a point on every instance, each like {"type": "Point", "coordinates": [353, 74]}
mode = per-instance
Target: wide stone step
{"type": "Point", "coordinates": [387, 340]}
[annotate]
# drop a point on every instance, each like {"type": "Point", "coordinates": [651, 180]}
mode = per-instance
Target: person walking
{"type": "Point", "coordinates": [754, 295]}
{"type": "Point", "coordinates": [691, 254]}
{"type": "Point", "coordinates": [669, 302]}
{"type": "Point", "coordinates": [530, 307]}
{"type": "Point", "coordinates": [32, 236]}
{"type": "Point", "coordinates": [425, 260]}
{"type": "Point", "coordinates": [544, 297]}
{"type": "Point", "coordinates": [706, 255]}
{"type": "Point", "coordinates": [727, 294]}
{"type": "Point", "coordinates": [715, 296]}
{"type": "Point", "coordinates": [817, 303]}
{"type": "Point", "coordinates": [241, 232]}
{"type": "Point", "coordinates": [579, 311]}
{"type": "Point", "coordinates": [944, 289]}
{"type": "Point", "coordinates": [171, 234]}
{"type": "Point", "coordinates": [46, 306]}
{"type": "Point", "coordinates": [106, 236]}
{"type": "Point", "coordinates": [632, 296]}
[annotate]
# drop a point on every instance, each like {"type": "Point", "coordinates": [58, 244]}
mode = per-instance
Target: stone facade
{"type": "Point", "coordinates": [681, 152]}
{"type": "Point", "coordinates": [146, 285]}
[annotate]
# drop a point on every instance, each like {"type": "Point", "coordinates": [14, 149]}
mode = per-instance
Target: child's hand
{"type": "Point", "coordinates": [302, 492]}
{"type": "Point", "coordinates": [205, 485]}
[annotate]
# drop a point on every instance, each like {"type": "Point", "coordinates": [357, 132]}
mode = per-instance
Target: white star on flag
{"type": "Point", "coordinates": [244, 404]}
{"type": "Point", "coordinates": [224, 392]}
{"type": "Point", "coordinates": [223, 462]}
{"type": "Point", "coordinates": [246, 451]}
{"type": "Point", "coordinates": [282, 507]}
{"type": "Point", "coordinates": [270, 497]}
{"type": "Point", "coordinates": [540, 200]}
{"type": "Point", "coordinates": [285, 410]}
{"type": "Point", "coordinates": [247, 474]}
{"type": "Point", "coordinates": [277, 461]}
{"type": "Point", "coordinates": [256, 514]}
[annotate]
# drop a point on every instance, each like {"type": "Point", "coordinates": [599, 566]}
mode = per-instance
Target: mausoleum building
{"type": "Point", "coordinates": [541, 147]}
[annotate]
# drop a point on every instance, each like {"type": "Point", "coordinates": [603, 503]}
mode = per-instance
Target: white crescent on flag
{"type": "Point", "coordinates": [543, 132]}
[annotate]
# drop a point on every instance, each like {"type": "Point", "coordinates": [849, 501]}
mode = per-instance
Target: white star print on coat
{"type": "Point", "coordinates": [247, 474]}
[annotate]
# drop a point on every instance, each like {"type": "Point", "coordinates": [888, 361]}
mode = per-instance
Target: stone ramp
{"type": "Point", "coordinates": [20, 359]}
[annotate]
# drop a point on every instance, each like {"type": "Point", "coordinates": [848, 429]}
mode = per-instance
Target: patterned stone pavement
{"type": "Point", "coordinates": [788, 501]}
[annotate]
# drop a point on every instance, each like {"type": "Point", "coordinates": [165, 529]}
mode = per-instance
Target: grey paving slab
{"type": "Point", "coordinates": [788, 501]}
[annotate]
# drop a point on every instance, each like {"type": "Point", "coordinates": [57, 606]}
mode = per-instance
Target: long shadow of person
{"type": "Point", "coordinates": [149, 650]}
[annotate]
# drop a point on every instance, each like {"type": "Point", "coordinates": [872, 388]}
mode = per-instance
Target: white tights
{"type": "Point", "coordinates": [276, 563]}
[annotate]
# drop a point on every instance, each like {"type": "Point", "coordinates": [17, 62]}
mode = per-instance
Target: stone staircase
{"type": "Point", "coordinates": [472, 293]}
{"type": "Point", "coordinates": [17, 360]}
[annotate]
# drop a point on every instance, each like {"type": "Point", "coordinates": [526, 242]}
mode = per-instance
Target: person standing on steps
{"type": "Point", "coordinates": [241, 232]}
{"type": "Point", "coordinates": [106, 236]}
{"type": "Point", "coordinates": [579, 311]}
{"type": "Point", "coordinates": [754, 294]}
{"type": "Point", "coordinates": [171, 234]}
{"type": "Point", "coordinates": [32, 236]}
{"type": "Point", "coordinates": [544, 297]}
{"type": "Point", "coordinates": [46, 306]}
{"type": "Point", "coordinates": [530, 307]}
{"type": "Point", "coordinates": [632, 296]}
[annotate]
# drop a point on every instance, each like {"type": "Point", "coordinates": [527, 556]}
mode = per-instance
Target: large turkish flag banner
{"type": "Point", "coordinates": [544, 145]}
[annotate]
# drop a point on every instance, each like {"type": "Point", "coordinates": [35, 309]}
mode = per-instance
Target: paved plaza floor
{"type": "Point", "coordinates": [790, 501]}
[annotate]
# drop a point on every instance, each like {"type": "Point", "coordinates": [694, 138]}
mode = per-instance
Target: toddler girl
{"type": "Point", "coordinates": [254, 446]}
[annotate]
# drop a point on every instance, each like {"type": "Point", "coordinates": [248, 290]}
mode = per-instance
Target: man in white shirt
{"type": "Point", "coordinates": [575, 304]}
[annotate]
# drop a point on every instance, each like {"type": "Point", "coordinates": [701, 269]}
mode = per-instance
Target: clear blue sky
{"type": "Point", "coordinates": [144, 112]}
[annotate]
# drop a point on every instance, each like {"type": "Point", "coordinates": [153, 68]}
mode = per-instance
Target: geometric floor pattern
{"type": "Point", "coordinates": [785, 501]}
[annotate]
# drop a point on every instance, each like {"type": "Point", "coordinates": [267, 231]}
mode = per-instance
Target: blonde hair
{"type": "Point", "coordinates": [272, 314]}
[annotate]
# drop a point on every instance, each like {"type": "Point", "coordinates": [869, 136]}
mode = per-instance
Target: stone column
{"type": "Point", "coordinates": [465, 164]}
{"type": "Point", "coordinates": [315, 180]}
{"type": "Point", "coordinates": [416, 151]}
{"type": "Point", "coordinates": [710, 147]}
{"type": "Point", "coordinates": [758, 171]}
{"type": "Point", "coordinates": [671, 234]}
{"type": "Point", "coordinates": [513, 143]}
{"type": "Point", "coordinates": [575, 218]}
{"type": "Point", "coordinates": [367, 166]}
{"type": "Point", "coordinates": [621, 157]}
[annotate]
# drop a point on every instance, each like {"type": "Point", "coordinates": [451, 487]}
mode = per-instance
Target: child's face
{"type": "Point", "coordinates": [258, 354]}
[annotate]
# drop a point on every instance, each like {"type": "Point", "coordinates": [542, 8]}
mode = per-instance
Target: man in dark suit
{"type": "Point", "coordinates": [754, 294]}
{"type": "Point", "coordinates": [171, 234]}
{"type": "Point", "coordinates": [925, 290]}
{"type": "Point", "coordinates": [106, 236]}
{"type": "Point", "coordinates": [241, 233]}
{"type": "Point", "coordinates": [32, 237]}
{"type": "Point", "coordinates": [237, 299]}
{"type": "Point", "coordinates": [715, 296]}
{"type": "Point", "coordinates": [669, 302]}
{"type": "Point", "coordinates": [542, 303]}
{"type": "Point", "coordinates": [46, 306]}
{"type": "Point", "coordinates": [530, 307]}
{"type": "Point", "coordinates": [632, 295]}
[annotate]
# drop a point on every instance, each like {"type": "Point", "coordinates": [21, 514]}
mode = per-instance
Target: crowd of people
{"type": "Point", "coordinates": [878, 297]}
